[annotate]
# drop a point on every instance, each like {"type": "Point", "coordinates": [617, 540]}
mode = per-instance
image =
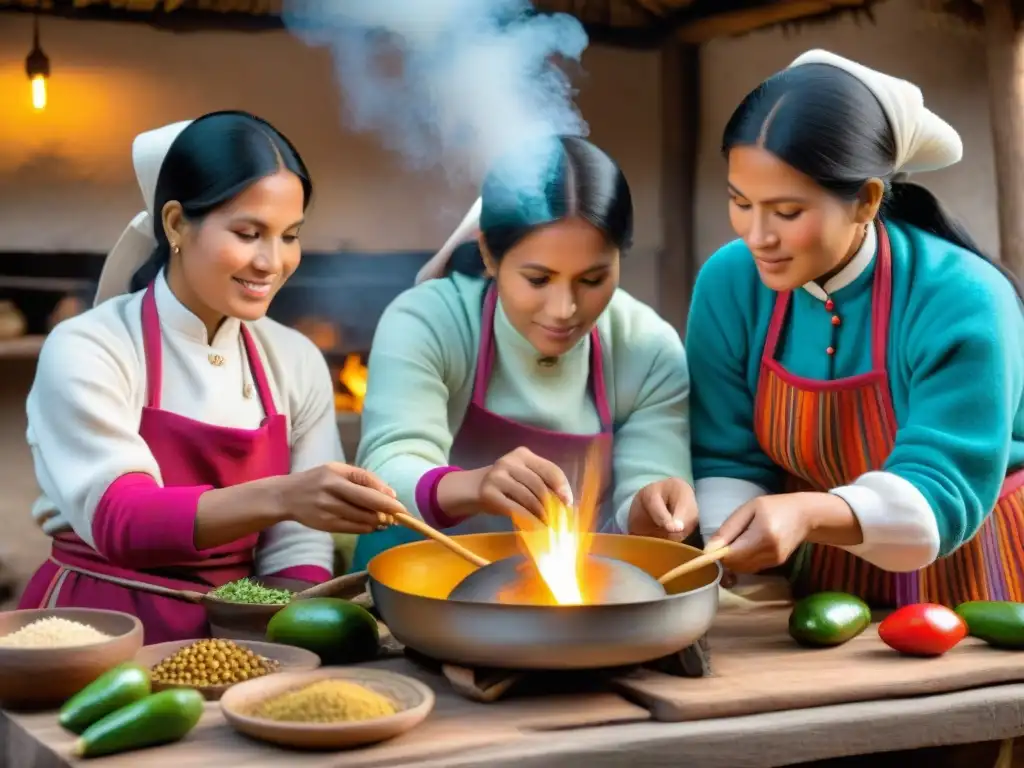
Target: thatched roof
{"type": "Point", "coordinates": [629, 22]}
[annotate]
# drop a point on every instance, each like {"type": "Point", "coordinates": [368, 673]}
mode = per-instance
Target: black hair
{"type": "Point", "coordinates": [542, 182]}
{"type": "Point", "coordinates": [215, 158]}
{"type": "Point", "coordinates": [827, 124]}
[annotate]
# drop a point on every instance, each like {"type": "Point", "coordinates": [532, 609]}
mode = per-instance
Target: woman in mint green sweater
{"type": "Point", "coordinates": [858, 366]}
{"type": "Point", "coordinates": [517, 357]}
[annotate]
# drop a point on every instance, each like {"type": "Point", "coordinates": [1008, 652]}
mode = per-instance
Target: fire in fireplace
{"type": "Point", "coordinates": [348, 368]}
{"type": "Point", "coordinates": [350, 385]}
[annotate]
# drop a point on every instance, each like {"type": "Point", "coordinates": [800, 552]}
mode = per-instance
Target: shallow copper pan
{"type": "Point", "coordinates": [410, 584]}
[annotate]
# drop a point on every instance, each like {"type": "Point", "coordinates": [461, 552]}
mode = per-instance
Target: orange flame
{"type": "Point", "coordinates": [353, 376]}
{"type": "Point", "coordinates": [558, 548]}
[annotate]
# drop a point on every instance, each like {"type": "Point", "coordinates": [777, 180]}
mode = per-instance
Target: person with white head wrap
{"type": "Point", "coordinates": [495, 379]}
{"type": "Point", "coordinates": [855, 345]}
{"type": "Point", "coordinates": [180, 437]}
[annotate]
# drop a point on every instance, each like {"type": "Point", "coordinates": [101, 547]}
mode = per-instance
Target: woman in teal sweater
{"type": "Point", "coordinates": [517, 358]}
{"type": "Point", "coordinates": [857, 364]}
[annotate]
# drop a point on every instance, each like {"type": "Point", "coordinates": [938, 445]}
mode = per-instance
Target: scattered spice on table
{"type": "Point", "coordinates": [53, 632]}
{"type": "Point", "coordinates": [212, 662]}
{"type": "Point", "coordinates": [327, 701]}
{"type": "Point", "coordinates": [248, 591]}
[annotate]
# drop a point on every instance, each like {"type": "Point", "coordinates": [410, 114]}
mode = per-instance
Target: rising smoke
{"type": "Point", "coordinates": [450, 83]}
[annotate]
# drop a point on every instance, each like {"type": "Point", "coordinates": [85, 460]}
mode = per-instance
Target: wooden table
{"type": "Point", "coordinates": [602, 728]}
{"type": "Point", "coordinates": [768, 703]}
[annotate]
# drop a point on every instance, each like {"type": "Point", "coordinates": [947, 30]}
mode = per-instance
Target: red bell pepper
{"type": "Point", "coordinates": [925, 629]}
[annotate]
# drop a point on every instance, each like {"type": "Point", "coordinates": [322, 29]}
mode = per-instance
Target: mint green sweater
{"type": "Point", "coordinates": [421, 371]}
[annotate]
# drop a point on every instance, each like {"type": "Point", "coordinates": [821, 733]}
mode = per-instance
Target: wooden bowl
{"type": "Point", "coordinates": [413, 699]}
{"type": "Point", "coordinates": [41, 678]}
{"type": "Point", "coordinates": [244, 621]}
{"type": "Point", "coordinates": [291, 659]}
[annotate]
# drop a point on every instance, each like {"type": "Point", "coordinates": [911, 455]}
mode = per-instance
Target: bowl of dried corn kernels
{"type": "Point", "coordinates": [211, 666]}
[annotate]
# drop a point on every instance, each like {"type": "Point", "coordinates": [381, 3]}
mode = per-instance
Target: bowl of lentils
{"type": "Point", "coordinates": [212, 665]}
{"type": "Point", "coordinates": [241, 610]}
{"type": "Point", "coordinates": [48, 655]}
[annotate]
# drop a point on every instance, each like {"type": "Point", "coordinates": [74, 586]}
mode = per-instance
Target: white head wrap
{"type": "Point", "coordinates": [137, 242]}
{"type": "Point", "coordinates": [924, 141]}
{"type": "Point", "coordinates": [468, 230]}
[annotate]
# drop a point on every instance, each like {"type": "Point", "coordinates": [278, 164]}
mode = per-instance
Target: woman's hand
{"type": "Point", "coordinates": [519, 483]}
{"type": "Point", "coordinates": [766, 531]}
{"type": "Point", "coordinates": [516, 485]}
{"type": "Point", "coordinates": [337, 498]}
{"type": "Point", "coordinates": [666, 509]}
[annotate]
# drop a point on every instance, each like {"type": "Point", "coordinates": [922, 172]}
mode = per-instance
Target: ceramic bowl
{"type": "Point", "coordinates": [413, 699]}
{"type": "Point", "coordinates": [40, 678]}
{"type": "Point", "coordinates": [289, 658]}
{"type": "Point", "coordinates": [243, 621]}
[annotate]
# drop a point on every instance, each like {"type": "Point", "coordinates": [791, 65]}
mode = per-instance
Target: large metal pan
{"type": "Point", "coordinates": [410, 585]}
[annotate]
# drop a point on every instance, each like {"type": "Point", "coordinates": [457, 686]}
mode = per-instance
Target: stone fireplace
{"type": "Point", "coordinates": [336, 300]}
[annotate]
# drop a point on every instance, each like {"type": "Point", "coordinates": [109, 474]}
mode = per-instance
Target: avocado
{"type": "Point", "coordinates": [115, 688]}
{"type": "Point", "coordinates": [157, 719]}
{"type": "Point", "coordinates": [998, 623]}
{"type": "Point", "coordinates": [338, 631]}
{"type": "Point", "coordinates": [826, 619]}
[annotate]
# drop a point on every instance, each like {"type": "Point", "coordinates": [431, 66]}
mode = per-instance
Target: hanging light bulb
{"type": "Point", "coordinates": [37, 67]}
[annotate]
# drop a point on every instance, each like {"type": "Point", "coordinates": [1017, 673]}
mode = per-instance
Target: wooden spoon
{"type": "Point", "coordinates": [692, 565]}
{"type": "Point", "coordinates": [419, 526]}
{"type": "Point", "coordinates": [339, 586]}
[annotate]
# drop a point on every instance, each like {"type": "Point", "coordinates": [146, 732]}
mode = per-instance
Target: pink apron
{"type": "Point", "coordinates": [188, 453]}
{"type": "Point", "coordinates": [485, 437]}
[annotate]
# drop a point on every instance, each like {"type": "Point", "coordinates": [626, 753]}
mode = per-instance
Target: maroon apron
{"type": "Point", "coordinates": [189, 453]}
{"type": "Point", "coordinates": [485, 437]}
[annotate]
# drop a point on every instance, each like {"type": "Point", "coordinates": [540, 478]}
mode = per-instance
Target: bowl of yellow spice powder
{"type": "Point", "coordinates": [327, 709]}
{"type": "Point", "coordinates": [213, 665]}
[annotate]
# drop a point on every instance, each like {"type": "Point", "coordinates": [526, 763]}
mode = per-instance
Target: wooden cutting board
{"type": "Point", "coordinates": [757, 668]}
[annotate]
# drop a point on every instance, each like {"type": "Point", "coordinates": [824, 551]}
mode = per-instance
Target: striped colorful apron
{"type": "Point", "coordinates": [825, 434]}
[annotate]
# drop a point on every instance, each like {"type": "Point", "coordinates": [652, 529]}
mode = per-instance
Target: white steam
{"type": "Point", "coordinates": [454, 83]}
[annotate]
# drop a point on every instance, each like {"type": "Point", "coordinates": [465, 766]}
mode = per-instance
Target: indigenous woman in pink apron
{"type": "Point", "coordinates": [857, 363]}
{"type": "Point", "coordinates": [182, 439]}
{"type": "Point", "coordinates": [492, 379]}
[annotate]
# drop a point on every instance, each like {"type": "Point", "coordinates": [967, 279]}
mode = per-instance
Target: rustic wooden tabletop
{"type": "Point", "coordinates": [502, 736]}
{"type": "Point", "coordinates": [768, 703]}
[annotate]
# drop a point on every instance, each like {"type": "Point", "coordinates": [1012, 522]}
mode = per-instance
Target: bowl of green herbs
{"type": "Point", "coordinates": [241, 610]}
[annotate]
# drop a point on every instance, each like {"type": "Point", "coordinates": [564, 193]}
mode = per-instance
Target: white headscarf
{"type": "Point", "coordinates": [924, 141]}
{"type": "Point", "coordinates": [468, 230]}
{"type": "Point", "coordinates": [137, 242]}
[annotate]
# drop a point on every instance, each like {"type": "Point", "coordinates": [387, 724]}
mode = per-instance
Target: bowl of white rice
{"type": "Point", "coordinates": [48, 655]}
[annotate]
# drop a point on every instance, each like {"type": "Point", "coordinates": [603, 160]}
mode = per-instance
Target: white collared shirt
{"type": "Point", "coordinates": [854, 268]}
{"type": "Point", "coordinates": [85, 406]}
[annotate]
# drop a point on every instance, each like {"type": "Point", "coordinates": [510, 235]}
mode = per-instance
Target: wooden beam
{"type": "Point", "coordinates": [680, 121]}
{"type": "Point", "coordinates": [1004, 46]}
{"type": "Point", "coordinates": [184, 19]}
{"type": "Point", "coordinates": [662, 8]}
{"type": "Point", "coordinates": [189, 20]}
{"type": "Point", "coordinates": [653, 7]}
{"type": "Point", "coordinates": [741, 21]}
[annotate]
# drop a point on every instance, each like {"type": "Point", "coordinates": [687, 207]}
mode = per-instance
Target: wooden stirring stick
{"type": "Point", "coordinates": [348, 583]}
{"type": "Point", "coordinates": [432, 533]}
{"type": "Point", "coordinates": [692, 565]}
